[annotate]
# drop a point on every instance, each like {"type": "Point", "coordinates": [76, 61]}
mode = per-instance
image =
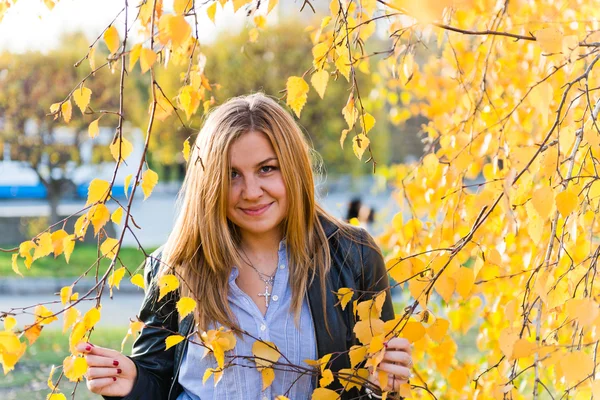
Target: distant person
{"type": "Point", "coordinates": [353, 208]}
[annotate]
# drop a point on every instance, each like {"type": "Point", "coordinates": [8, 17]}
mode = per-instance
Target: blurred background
{"type": "Point", "coordinates": [46, 166]}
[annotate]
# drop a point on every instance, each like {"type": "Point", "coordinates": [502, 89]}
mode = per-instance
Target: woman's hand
{"type": "Point", "coordinates": [397, 362]}
{"type": "Point", "coordinates": [109, 372]}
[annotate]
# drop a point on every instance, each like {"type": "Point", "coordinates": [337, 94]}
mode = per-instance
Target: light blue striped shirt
{"type": "Point", "coordinates": [243, 380]}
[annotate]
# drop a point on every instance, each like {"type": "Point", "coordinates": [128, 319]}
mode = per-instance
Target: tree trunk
{"type": "Point", "coordinates": [54, 195]}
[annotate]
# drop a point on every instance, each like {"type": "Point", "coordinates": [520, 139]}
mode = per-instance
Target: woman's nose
{"type": "Point", "coordinates": [252, 188]}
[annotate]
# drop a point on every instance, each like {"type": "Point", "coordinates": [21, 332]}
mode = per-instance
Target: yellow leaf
{"type": "Point", "coordinates": [98, 215]}
{"type": "Point", "coordinates": [138, 280]}
{"type": "Point", "coordinates": [550, 40]}
{"type": "Point", "coordinates": [543, 201]}
{"type": "Point", "coordinates": [124, 146]}
{"type": "Point", "coordinates": [211, 11]}
{"type": "Point", "coordinates": [281, 397]}
{"type": "Point", "coordinates": [166, 284]}
{"type": "Point", "coordinates": [465, 280]}
{"type": "Point", "coordinates": [32, 332]}
{"type": "Point", "coordinates": [319, 52]}
{"type": "Point", "coordinates": [56, 396]}
{"type": "Point", "coordinates": [185, 305]}
{"type": "Point", "coordinates": [189, 100]}
{"type": "Point", "coordinates": [437, 330]}
{"type": "Point", "coordinates": [342, 63]}
{"type": "Point", "coordinates": [67, 110]}
{"type": "Point", "coordinates": [182, 6]}
{"type": "Point", "coordinates": [54, 108]}
{"type": "Point", "coordinates": [65, 294]}
{"type": "Point", "coordinates": [117, 216]}
{"type": "Point", "coordinates": [430, 164]}
{"type": "Point", "coordinates": [326, 378]}
{"type": "Point", "coordinates": [116, 277]}
{"type": "Point", "coordinates": [98, 190]}
{"type": "Point", "coordinates": [50, 4]}
{"type": "Point", "coordinates": [343, 137]}
{"type": "Point", "coordinates": [82, 98]}
{"type": "Point", "coordinates": [268, 375]}
{"type": "Point", "coordinates": [344, 296]}
{"type": "Point", "coordinates": [68, 246]}
{"type": "Point", "coordinates": [324, 394]}
{"type": "Point", "coordinates": [91, 318]}
{"type": "Point", "coordinates": [111, 37]}
{"type": "Point", "coordinates": [91, 58]}
{"type": "Point", "coordinates": [70, 317]}
{"type": "Point", "coordinates": [57, 241]}
{"type": "Point", "coordinates": [382, 378]}
{"type": "Point", "coordinates": [50, 383]}
{"type": "Point", "coordinates": [272, 4]}
{"type": "Point", "coordinates": [523, 348]}
{"type": "Point", "coordinates": [260, 21]}
{"type": "Point", "coordinates": [74, 368]}
{"type": "Point", "coordinates": [507, 340]}
{"type": "Point", "coordinates": [413, 331]}
{"type": "Point", "coordinates": [266, 353]}
{"type": "Point", "coordinates": [109, 247]}
{"type": "Point", "coordinates": [576, 366]}
{"type": "Point", "coordinates": [44, 246]}
{"type": "Point", "coordinates": [350, 378]}
{"type": "Point", "coordinates": [566, 201]}
{"type": "Point", "coordinates": [253, 35]}
{"type": "Point", "coordinates": [147, 59]}
{"type": "Point", "coordinates": [149, 181]}
{"type": "Point", "coordinates": [297, 93]}
{"type": "Point", "coordinates": [359, 144]}
{"type": "Point", "coordinates": [173, 340]}
{"type": "Point", "coordinates": [365, 330]}
{"type": "Point", "coordinates": [367, 122]}
{"type": "Point", "coordinates": [186, 150]}
{"type": "Point", "coordinates": [134, 55]}
{"type": "Point", "coordinates": [176, 28]}
{"type": "Point", "coordinates": [15, 265]}
{"type": "Point", "coordinates": [319, 81]}
{"type": "Point", "coordinates": [357, 355]}
{"type": "Point", "coordinates": [43, 316]}
{"type": "Point", "coordinates": [349, 112]}
{"type": "Point", "coordinates": [209, 371]}
{"type": "Point", "coordinates": [127, 182]}
{"type": "Point", "coordinates": [458, 379]}
{"type": "Point", "coordinates": [9, 322]}
{"type": "Point", "coordinates": [25, 252]}
{"type": "Point", "coordinates": [134, 329]}
{"type": "Point", "coordinates": [93, 129]}
{"type": "Point", "coordinates": [585, 311]}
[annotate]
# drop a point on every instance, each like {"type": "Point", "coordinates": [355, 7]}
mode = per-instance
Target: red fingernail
{"type": "Point", "coordinates": [88, 348]}
{"type": "Point", "coordinates": [119, 370]}
{"type": "Point", "coordinates": [385, 344]}
{"type": "Point", "coordinates": [115, 363]}
{"type": "Point", "coordinates": [114, 379]}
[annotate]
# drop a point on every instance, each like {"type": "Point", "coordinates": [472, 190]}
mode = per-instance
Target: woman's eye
{"type": "Point", "coordinates": [234, 174]}
{"type": "Point", "coordinates": [267, 168]}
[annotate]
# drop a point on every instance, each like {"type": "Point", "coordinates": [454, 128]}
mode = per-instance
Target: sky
{"type": "Point", "coordinates": [30, 26]}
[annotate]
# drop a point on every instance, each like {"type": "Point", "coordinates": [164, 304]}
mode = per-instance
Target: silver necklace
{"type": "Point", "coordinates": [267, 279]}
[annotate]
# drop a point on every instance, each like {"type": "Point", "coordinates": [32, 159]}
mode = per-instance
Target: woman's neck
{"type": "Point", "coordinates": [260, 245]}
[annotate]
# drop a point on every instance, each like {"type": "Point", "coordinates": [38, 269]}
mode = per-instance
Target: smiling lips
{"type": "Point", "coordinates": [255, 211]}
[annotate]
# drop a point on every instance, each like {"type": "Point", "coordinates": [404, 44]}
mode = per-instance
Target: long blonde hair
{"type": "Point", "coordinates": [203, 246]}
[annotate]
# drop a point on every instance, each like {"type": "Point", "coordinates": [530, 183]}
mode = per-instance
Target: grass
{"type": "Point", "coordinates": [83, 257]}
{"type": "Point", "coordinates": [28, 380]}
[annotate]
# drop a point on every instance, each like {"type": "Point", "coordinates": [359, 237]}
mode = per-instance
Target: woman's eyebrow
{"type": "Point", "coordinates": [266, 161]}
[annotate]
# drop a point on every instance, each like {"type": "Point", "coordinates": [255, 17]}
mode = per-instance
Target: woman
{"type": "Point", "coordinates": [259, 256]}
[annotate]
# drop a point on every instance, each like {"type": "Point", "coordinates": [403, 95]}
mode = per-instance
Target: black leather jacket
{"type": "Point", "coordinates": [355, 264]}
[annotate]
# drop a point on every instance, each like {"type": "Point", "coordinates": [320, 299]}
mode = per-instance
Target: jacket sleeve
{"type": "Point", "coordinates": [373, 274]}
{"type": "Point", "coordinates": [154, 364]}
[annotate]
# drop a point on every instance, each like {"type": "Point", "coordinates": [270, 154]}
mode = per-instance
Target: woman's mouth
{"type": "Point", "coordinates": [255, 211]}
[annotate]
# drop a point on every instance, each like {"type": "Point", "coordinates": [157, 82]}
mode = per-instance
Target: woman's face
{"type": "Point", "coordinates": [257, 201]}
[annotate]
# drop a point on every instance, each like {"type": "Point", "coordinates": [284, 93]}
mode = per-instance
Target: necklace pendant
{"type": "Point", "coordinates": [266, 295]}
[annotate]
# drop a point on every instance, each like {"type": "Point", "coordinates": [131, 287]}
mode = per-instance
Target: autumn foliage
{"type": "Point", "coordinates": [497, 241]}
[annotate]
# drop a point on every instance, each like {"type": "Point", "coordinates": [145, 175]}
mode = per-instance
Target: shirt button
{"type": "Point", "coordinates": [282, 266]}
{"type": "Point", "coordinates": [275, 298]}
{"type": "Point", "coordinates": [263, 327]}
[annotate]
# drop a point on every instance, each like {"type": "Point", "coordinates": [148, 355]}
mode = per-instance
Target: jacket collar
{"type": "Point", "coordinates": [328, 227]}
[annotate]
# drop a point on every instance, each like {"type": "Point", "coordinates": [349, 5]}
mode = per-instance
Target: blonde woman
{"type": "Point", "coordinates": [260, 257]}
